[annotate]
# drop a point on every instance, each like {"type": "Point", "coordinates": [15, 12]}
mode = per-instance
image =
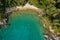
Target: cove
{"type": "Point", "coordinates": [23, 26]}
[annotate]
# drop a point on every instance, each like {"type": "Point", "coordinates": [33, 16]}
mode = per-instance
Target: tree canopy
{"type": "Point", "coordinates": [51, 7]}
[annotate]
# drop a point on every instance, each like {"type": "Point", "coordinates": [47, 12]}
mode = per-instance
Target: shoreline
{"type": "Point", "coordinates": [45, 22]}
{"type": "Point", "coordinates": [27, 7]}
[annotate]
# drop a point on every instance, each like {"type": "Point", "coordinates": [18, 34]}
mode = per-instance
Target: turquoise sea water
{"type": "Point", "coordinates": [23, 26]}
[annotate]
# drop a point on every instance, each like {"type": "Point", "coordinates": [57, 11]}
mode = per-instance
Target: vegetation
{"type": "Point", "coordinates": [2, 8]}
{"type": "Point", "coordinates": [51, 7]}
{"type": "Point", "coordinates": [52, 12]}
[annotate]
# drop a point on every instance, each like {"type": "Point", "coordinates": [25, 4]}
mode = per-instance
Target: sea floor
{"type": "Point", "coordinates": [23, 26]}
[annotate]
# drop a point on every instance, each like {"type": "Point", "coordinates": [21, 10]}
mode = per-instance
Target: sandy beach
{"type": "Point", "coordinates": [27, 6]}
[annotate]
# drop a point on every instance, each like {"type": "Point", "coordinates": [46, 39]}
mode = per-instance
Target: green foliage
{"type": "Point", "coordinates": [12, 3]}
{"type": "Point", "coordinates": [2, 6]}
{"type": "Point", "coordinates": [51, 11]}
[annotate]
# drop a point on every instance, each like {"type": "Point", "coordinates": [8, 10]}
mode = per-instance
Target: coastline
{"type": "Point", "coordinates": [26, 7]}
{"type": "Point", "coordinates": [32, 8]}
{"type": "Point", "coordinates": [45, 22]}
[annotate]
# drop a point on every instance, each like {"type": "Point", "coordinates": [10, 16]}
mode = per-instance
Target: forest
{"type": "Point", "coordinates": [51, 8]}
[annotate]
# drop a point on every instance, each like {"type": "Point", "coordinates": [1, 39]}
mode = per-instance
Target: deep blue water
{"type": "Point", "coordinates": [23, 26]}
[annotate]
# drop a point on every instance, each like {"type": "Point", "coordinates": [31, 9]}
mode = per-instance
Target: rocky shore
{"type": "Point", "coordinates": [40, 12]}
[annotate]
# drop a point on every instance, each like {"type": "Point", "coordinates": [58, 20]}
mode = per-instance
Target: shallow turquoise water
{"type": "Point", "coordinates": [23, 26]}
